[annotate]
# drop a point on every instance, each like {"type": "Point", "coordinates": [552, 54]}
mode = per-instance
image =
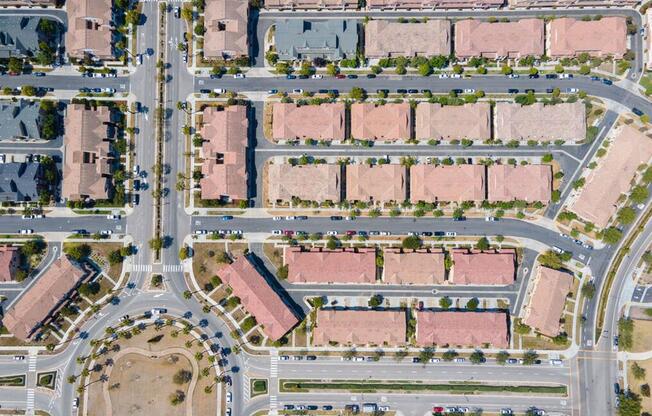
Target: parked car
{"type": "Point", "coordinates": [26, 231]}
{"type": "Point", "coordinates": [565, 76]}
{"type": "Point", "coordinates": [290, 76]}
{"type": "Point", "coordinates": [19, 357]}
{"type": "Point", "coordinates": [371, 75]}
{"type": "Point", "coordinates": [273, 91]}
{"type": "Point", "coordinates": [512, 90]}
{"type": "Point", "coordinates": [229, 397]}
{"type": "Point", "coordinates": [113, 217]}
{"type": "Point", "coordinates": [297, 91]}
{"type": "Point", "coordinates": [331, 232]}
{"type": "Point", "coordinates": [352, 76]}
{"type": "Point", "coordinates": [637, 111]}
{"type": "Point", "coordinates": [239, 76]}
{"type": "Point", "coordinates": [607, 81]}
{"type": "Point", "coordinates": [284, 358]}
{"type": "Point", "coordinates": [551, 76]}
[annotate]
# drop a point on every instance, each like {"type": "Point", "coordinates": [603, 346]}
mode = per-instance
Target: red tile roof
{"type": "Point", "coordinates": [392, 38]}
{"type": "Point", "coordinates": [318, 122]}
{"type": "Point", "coordinates": [383, 122]}
{"type": "Point", "coordinates": [474, 267]}
{"type": "Point", "coordinates": [311, 4]}
{"type": "Point", "coordinates": [226, 28]}
{"type": "Point", "coordinates": [306, 182]}
{"type": "Point", "coordinates": [42, 298]}
{"type": "Point", "coordinates": [89, 28]}
{"type": "Point", "coordinates": [9, 262]}
{"type": "Point", "coordinates": [258, 298]}
{"type": "Point", "coordinates": [433, 4]}
{"type": "Point", "coordinates": [360, 327]}
{"type": "Point", "coordinates": [472, 329]}
{"type": "Point", "coordinates": [331, 266]}
{"type": "Point", "coordinates": [430, 183]}
{"type": "Point", "coordinates": [547, 301]}
{"type": "Point", "coordinates": [605, 37]}
{"type": "Point", "coordinates": [377, 183]}
{"type": "Point", "coordinates": [453, 122]}
{"type": "Point", "coordinates": [500, 39]}
{"type": "Point", "coordinates": [225, 153]}
{"type": "Point", "coordinates": [420, 267]}
{"type": "Point", "coordinates": [529, 183]}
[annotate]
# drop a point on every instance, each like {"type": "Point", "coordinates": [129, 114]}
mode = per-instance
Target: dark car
{"type": "Point", "coordinates": [136, 185]}
{"type": "Point", "coordinates": [533, 76]}
{"type": "Point", "coordinates": [606, 81]}
{"type": "Point", "coordinates": [459, 219]}
{"type": "Point", "coordinates": [401, 91]}
{"type": "Point", "coordinates": [382, 91]}
{"type": "Point", "coordinates": [340, 76]}
{"type": "Point", "coordinates": [457, 90]}
{"type": "Point", "coordinates": [426, 233]}
{"type": "Point", "coordinates": [311, 357]}
{"type": "Point", "coordinates": [529, 90]}
{"type": "Point", "coordinates": [352, 76]}
{"type": "Point", "coordinates": [336, 217]}
{"type": "Point", "coordinates": [303, 77]}
{"type": "Point", "coordinates": [216, 76]}
{"type": "Point", "coordinates": [205, 91]}
{"type": "Point", "coordinates": [637, 111]}
{"type": "Point", "coordinates": [594, 78]}
{"type": "Point", "coordinates": [84, 89]}
{"type": "Point", "coordinates": [413, 91]}
{"type": "Point", "coordinates": [327, 407]}
{"type": "Point", "coordinates": [227, 217]}
{"type": "Point", "coordinates": [290, 76]}
{"type": "Point", "coordinates": [334, 92]}
{"type": "Point", "coordinates": [39, 74]}
{"type": "Point", "coordinates": [416, 360]}
{"type": "Point", "coordinates": [551, 76]}
{"type": "Point", "coordinates": [550, 90]}
{"type": "Point", "coordinates": [371, 75]}
{"type": "Point", "coordinates": [617, 388]}
{"type": "Point", "coordinates": [512, 91]}
{"type": "Point", "coordinates": [322, 91]}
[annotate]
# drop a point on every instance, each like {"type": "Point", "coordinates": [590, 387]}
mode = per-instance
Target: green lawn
{"type": "Point", "coordinates": [258, 387]}
{"type": "Point", "coordinates": [646, 82]}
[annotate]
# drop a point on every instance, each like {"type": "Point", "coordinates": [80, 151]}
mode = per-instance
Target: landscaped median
{"type": "Point", "coordinates": [361, 386]}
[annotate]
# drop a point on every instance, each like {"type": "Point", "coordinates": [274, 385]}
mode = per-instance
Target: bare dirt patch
{"type": "Point", "coordinates": [635, 385]}
{"type": "Point", "coordinates": [642, 339]}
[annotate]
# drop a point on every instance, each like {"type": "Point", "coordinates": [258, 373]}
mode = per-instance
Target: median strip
{"type": "Point", "coordinates": [306, 386]}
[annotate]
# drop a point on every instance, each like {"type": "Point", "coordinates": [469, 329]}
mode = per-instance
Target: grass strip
{"type": "Point", "coordinates": [300, 386]}
{"type": "Point", "coordinates": [12, 381]}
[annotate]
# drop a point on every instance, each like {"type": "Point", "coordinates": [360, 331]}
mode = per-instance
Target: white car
{"type": "Point", "coordinates": [456, 75]}
{"type": "Point", "coordinates": [201, 232]}
{"type": "Point", "coordinates": [228, 411]}
{"type": "Point", "coordinates": [358, 359]}
{"type": "Point", "coordinates": [385, 233]}
{"type": "Point", "coordinates": [237, 231]}
{"type": "Point", "coordinates": [27, 231]}
{"type": "Point", "coordinates": [106, 232]}
{"type": "Point", "coordinates": [469, 90]}
{"type": "Point", "coordinates": [435, 360]}
{"type": "Point", "coordinates": [451, 233]}
{"type": "Point", "coordinates": [238, 76]}
{"type": "Point", "coordinates": [349, 218]}
{"type": "Point", "coordinates": [28, 217]}
{"type": "Point", "coordinates": [290, 218]}
{"type": "Point", "coordinates": [109, 90]}
{"type": "Point", "coordinates": [383, 408]}
{"type": "Point", "coordinates": [564, 76]}
{"type": "Point", "coordinates": [113, 217]}
{"type": "Point", "coordinates": [219, 90]}
{"type": "Point", "coordinates": [317, 76]}
{"type": "Point", "coordinates": [277, 218]}
{"type": "Point", "coordinates": [75, 402]}
{"type": "Point", "coordinates": [283, 358]}
{"type": "Point", "coordinates": [331, 233]}
{"type": "Point", "coordinates": [136, 170]}
{"type": "Point", "coordinates": [297, 91]}
{"type": "Point", "coordinates": [459, 360]}
{"type": "Point", "coordinates": [229, 397]}
{"type": "Point", "coordinates": [573, 90]}
{"type": "Point", "coordinates": [2, 158]}
{"type": "Point", "coordinates": [38, 216]}
{"type": "Point", "coordinates": [490, 219]}
{"type": "Point", "coordinates": [19, 357]}
{"type": "Point", "coordinates": [277, 232]}
{"type": "Point", "coordinates": [513, 76]}
{"type": "Point", "coordinates": [443, 76]}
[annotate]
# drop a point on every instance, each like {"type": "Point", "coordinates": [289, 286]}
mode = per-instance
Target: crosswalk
{"type": "Point", "coordinates": [172, 268]}
{"type": "Point", "coordinates": [273, 375]}
{"type": "Point", "coordinates": [273, 366]}
{"type": "Point", "coordinates": [246, 387]}
{"type": "Point", "coordinates": [141, 268]}
{"type": "Point", "coordinates": [30, 402]}
{"type": "Point", "coordinates": [273, 405]}
{"type": "Point", "coordinates": [31, 363]}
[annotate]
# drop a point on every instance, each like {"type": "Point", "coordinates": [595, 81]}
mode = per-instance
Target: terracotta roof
{"type": "Point", "coordinates": [420, 267]}
{"type": "Point", "coordinates": [529, 183]}
{"type": "Point", "coordinates": [462, 328]}
{"type": "Point", "coordinates": [226, 28]}
{"type": "Point", "coordinates": [648, 40]}
{"type": "Point", "coordinates": [391, 38]}
{"type": "Point", "coordinates": [474, 267]}
{"type": "Point", "coordinates": [379, 183]}
{"type": "Point", "coordinates": [89, 28]}
{"type": "Point", "coordinates": [325, 121]}
{"type": "Point", "coordinates": [258, 298]}
{"type": "Point", "coordinates": [42, 298]}
{"type": "Point", "coordinates": [605, 37]}
{"type": "Point", "coordinates": [9, 262]}
{"type": "Point", "coordinates": [501, 39]}
{"type": "Point", "coordinates": [360, 327]}
{"type": "Point", "coordinates": [430, 183]}
{"type": "Point", "coordinates": [566, 121]}
{"type": "Point", "coordinates": [453, 122]}
{"type": "Point", "coordinates": [572, 3]}
{"type": "Point", "coordinates": [384, 122]}
{"type": "Point", "coordinates": [311, 4]}
{"type": "Point", "coordinates": [308, 182]}
{"type": "Point", "coordinates": [430, 4]}
{"type": "Point", "coordinates": [598, 198]}
{"type": "Point", "coordinates": [318, 265]}
{"type": "Point", "coordinates": [225, 153]}
{"type": "Point", "coordinates": [547, 301]}
{"type": "Point", "coordinates": [87, 161]}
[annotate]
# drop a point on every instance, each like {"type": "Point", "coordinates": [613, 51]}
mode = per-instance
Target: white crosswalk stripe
{"type": "Point", "coordinates": [172, 268]}
{"type": "Point", "coordinates": [141, 268]}
{"type": "Point", "coordinates": [31, 363]}
{"type": "Point", "coordinates": [273, 405]}
{"type": "Point", "coordinates": [246, 386]}
{"type": "Point", "coordinates": [273, 366]}
{"type": "Point", "coordinates": [30, 402]}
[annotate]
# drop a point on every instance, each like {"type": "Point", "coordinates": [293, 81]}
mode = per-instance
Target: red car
{"type": "Point", "coordinates": [438, 409]}
{"type": "Point", "coordinates": [350, 232]}
{"type": "Point", "coordinates": [340, 76]}
{"type": "Point", "coordinates": [288, 232]}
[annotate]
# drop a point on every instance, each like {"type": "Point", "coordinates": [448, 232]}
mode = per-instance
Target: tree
{"type": "Point", "coordinates": [411, 242]}
{"type": "Point", "coordinates": [588, 290]}
{"type": "Point", "coordinates": [425, 70]}
{"type": "Point", "coordinates": [506, 70]}
{"type": "Point", "coordinates": [449, 355]}
{"type": "Point", "coordinates": [115, 257]}
{"type": "Point", "coordinates": [15, 65]}
{"type": "Point", "coordinates": [630, 404]}
{"type": "Point", "coordinates": [530, 357]}
{"type": "Point", "coordinates": [282, 272]}
{"type": "Point", "coordinates": [183, 253]}
{"type": "Point", "coordinates": [551, 259]}
{"type": "Point", "coordinates": [445, 302]}
{"type": "Point", "coordinates": [645, 391]}
{"type": "Point", "coordinates": [472, 304]}
{"type": "Point", "coordinates": [482, 244]}
{"type": "Point", "coordinates": [477, 357]}
{"type": "Point", "coordinates": [626, 215]}
{"type": "Point", "coordinates": [182, 377]}
{"type": "Point", "coordinates": [638, 372]}
{"type": "Point", "coordinates": [358, 93]}
{"type": "Point", "coordinates": [332, 243]}
{"type": "Point", "coordinates": [426, 354]}
{"type": "Point", "coordinates": [612, 235]}
{"type": "Point", "coordinates": [502, 357]}
{"type": "Point", "coordinates": [639, 194]}
{"type": "Point", "coordinates": [78, 251]}
{"type": "Point", "coordinates": [156, 243]}
{"type": "Point", "coordinates": [375, 301]}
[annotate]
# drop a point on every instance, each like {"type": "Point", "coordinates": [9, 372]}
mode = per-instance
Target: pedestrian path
{"type": "Point", "coordinates": [30, 402]}
{"type": "Point", "coordinates": [246, 386]}
{"type": "Point", "coordinates": [141, 268]}
{"type": "Point", "coordinates": [172, 268]}
{"type": "Point", "coordinates": [273, 375]}
{"type": "Point", "coordinates": [31, 363]}
{"type": "Point", "coordinates": [273, 405]}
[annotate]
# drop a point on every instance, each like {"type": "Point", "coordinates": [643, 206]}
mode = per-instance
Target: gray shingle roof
{"type": "Point", "coordinates": [18, 36]}
{"type": "Point", "coordinates": [19, 120]}
{"type": "Point", "coordinates": [18, 181]}
{"type": "Point", "coordinates": [303, 39]}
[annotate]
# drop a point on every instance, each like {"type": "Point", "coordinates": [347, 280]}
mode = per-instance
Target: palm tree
{"type": "Point", "coordinates": [187, 294]}
{"type": "Point", "coordinates": [71, 379]}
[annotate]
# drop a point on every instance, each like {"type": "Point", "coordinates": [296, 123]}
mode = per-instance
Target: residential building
{"type": "Point", "coordinates": [476, 267]}
{"type": "Point", "coordinates": [258, 298]}
{"type": "Point", "coordinates": [453, 122]}
{"type": "Point", "coordinates": [464, 329]}
{"type": "Point", "coordinates": [647, 47]}
{"type": "Point", "coordinates": [319, 122]}
{"type": "Point", "coordinates": [433, 4]}
{"type": "Point", "coordinates": [547, 300]}
{"type": "Point", "coordinates": [359, 327]}
{"type": "Point", "coordinates": [226, 29]}
{"type": "Point", "coordinates": [499, 40]}
{"type": "Point", "coordinates": [19, 120]}
{"type": "Point", "coordinates": [9, 263]}
{"type": "Point", "coordinates": [19, 182]}
{"type": "Point", "coordinates": [418, 267]}
{"type": "Point", "coordinates": [19, 36]}
{"type": "Point", "coordinates": [375, 183]}
{"type": "Point", "coordinates": [40, 301]}
{"type": "Point", "coordinates": [90, 27]}
{"type": "Point", "coordinates": [87, 158]}
{"type": "Point", "coordinates": [540, 122]}
{"type": "Point", "coordinates": [530, 183]}
{"type": "Point", "coordinates": [27, 3]}
{"type": "Point", "coordinates": [332, 39]}
{"type": "Point", "coordinates": [320, 265]}
{"type": "Point", "coordinates": [381, 122]}
{"type": "Point", "coordinates": [458, 183]}
{"type": "Point", "coordinates": [310, 4]}
{"type": "Point", "coordinates": [308, 182]}
{"type": "Point", "coordinates": [391, 38]}
{"type": "Point", "coordinates": [571, 3]}
{"type": "Point", "coordinates": [224, 168]}
{"type": "Point", "coordinates": [599, 199]}
{"type": "Point", "coordinates": [568, 37]}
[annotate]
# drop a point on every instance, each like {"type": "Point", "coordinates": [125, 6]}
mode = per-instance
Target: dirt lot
{"type": "Point", "coordinates": [635, 385]}
{"type": "Point", "coordinates": [642, 336]}
{"type": "Point", "coordinates": [145, 384]}
{"type": "Point", "coordinates": [205, 261]}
